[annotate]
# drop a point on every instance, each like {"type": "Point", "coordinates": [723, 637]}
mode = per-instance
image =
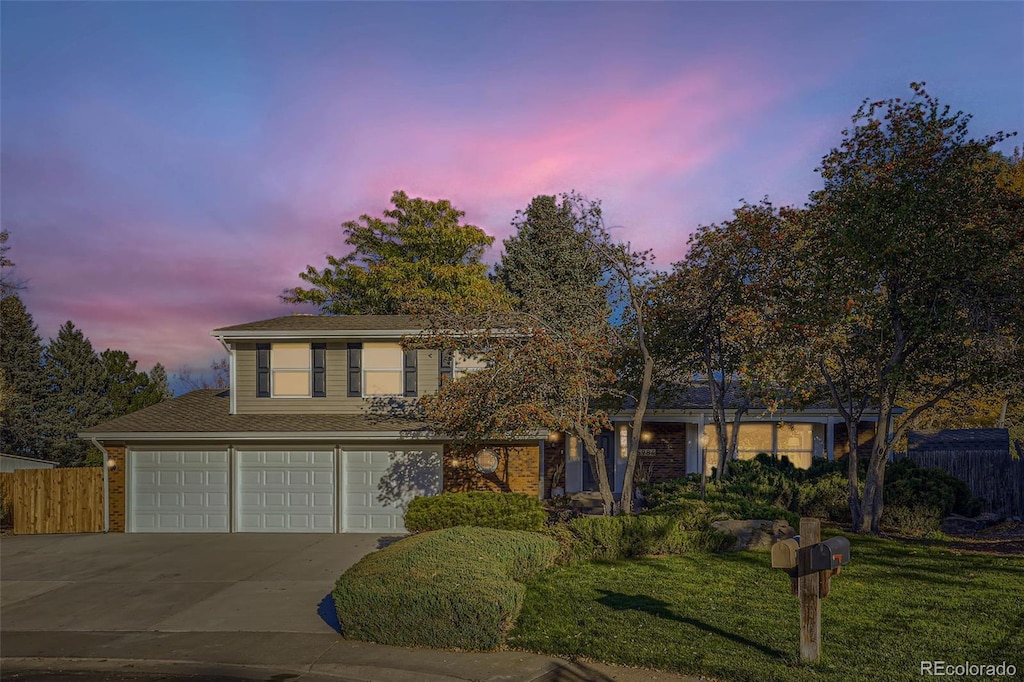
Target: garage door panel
{"type": "Point", "coordinates": [380, 483]}
{"type": "Point", "coordinates": [286, 490]}
{"type": "Point", "coordinates": [179, 491]}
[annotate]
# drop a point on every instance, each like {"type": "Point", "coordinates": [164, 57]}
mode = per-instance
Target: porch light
{"type": "Point", "coordinates": [554, 436]}
{"type": "Point", "coordinates": [455, 462]}
{"type": "Point", "coordinates": [111, 463]}
{"type": "Point", "coordinates": [646, 436]}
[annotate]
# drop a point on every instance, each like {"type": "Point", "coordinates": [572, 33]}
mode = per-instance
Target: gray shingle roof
{"type": "Point", "coordinates": [958, 439]}
{"type": "Point", "coordinates": [206, 411]}
{"type": "Point", "coordinates": [315, 323]}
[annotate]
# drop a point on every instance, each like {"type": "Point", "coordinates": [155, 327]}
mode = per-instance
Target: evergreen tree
{"type": "Point", "coordinates": [77, 385]}
{"type": "Point", "coordinates": [22, 385]}
{"type": "Point", "coordinates": [158, 382]}
{"type": "Point", "coordinates": [127, 389]}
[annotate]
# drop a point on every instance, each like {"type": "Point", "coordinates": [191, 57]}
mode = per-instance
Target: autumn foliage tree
{"type": "Point", "coordinates": [915, 258]}
{"type": "Point", "coordinates": [419, 254]}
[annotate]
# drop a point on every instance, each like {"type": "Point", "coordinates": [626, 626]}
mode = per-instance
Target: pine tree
{"type": "Point", "coordinates": [76, 380]}
{"type": "Point", "coordinates": [158, 383]}
{"type": "Point", "coordinates": [22, 385]}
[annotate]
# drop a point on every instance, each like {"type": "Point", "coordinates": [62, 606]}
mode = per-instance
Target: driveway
{"type": "Point", "coordinates": [174, 582]}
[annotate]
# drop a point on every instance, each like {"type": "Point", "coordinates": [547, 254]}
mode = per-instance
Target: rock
{"type": "Point", "coordinates": [962, 525]}
{"type": "Point", "coordinates": [755, 533]}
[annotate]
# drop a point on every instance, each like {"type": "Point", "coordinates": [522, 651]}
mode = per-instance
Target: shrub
{"type": "Point", "coordinates": [458, 588]}
{"type": "Point", "coordinates": [507, 511]}
{"type": "Point", "coordinates": [908, 485]}
{"type": "Point", "coordinates": [917, 521]}
{"type": "Point", "coordinates": [627, 537]}
{"type": "Point", "coordinates": [827, 497]}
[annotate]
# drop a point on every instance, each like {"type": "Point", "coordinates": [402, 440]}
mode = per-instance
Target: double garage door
{"type": "Point", "coordinates": [277, 490]}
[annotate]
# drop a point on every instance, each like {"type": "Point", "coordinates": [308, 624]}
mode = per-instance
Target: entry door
{"type": "Point", "coordinates": [380, 483]}
{"type": "Point", "coordinates": [176, 491]}
{"type": "Point", "coordinates": [282, 491]}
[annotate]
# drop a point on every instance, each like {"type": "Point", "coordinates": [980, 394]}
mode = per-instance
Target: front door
{"type": "Point", "coordinates": [606, 442]}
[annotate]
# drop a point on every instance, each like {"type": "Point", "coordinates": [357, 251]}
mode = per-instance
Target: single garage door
{"type": "Point", "coordinates": [177, 491]}
{"type": "Point", "coordinates": [286, 491]}
{"type": "Point", "coordinates": [380, 483]}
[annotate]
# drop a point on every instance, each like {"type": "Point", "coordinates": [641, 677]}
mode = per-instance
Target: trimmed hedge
{"type": "Point", "coordinates": [507, 511]}
{"type": "Point", "coordinates": [458, 588]}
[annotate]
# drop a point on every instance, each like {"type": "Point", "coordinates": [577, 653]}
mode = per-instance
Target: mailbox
{"type": "Point", "coordinates": [829, 555]}
{"type": "Point", "coordinates": [784, 553]}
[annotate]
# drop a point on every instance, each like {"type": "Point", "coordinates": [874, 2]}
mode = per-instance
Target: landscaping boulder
{"type": "Point", "coordinates": [755, 533]}
{"type": "Point", "coordinates": [963, 525]}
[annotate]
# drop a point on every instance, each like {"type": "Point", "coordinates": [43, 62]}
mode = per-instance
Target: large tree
{"type": "Point", "coordinates": [924, 252]}
{"type": "Point", "coordinates": [22, 384]}
{"type": "Point", "coordinates": [77, 393]}
{"type": "Point", "coordinates": [553, 357]}
{"type": "Point", "coordinates": [419, 254]}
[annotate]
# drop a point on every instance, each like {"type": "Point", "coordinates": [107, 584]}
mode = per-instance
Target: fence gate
{"type": "Point", "coordinates": [54, 500]}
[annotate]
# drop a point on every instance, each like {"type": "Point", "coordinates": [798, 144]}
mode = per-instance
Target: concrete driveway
{"type": "Point", "coordinates": [174, 582]}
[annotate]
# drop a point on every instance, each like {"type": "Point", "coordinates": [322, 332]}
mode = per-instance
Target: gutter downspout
{"type": "Point", "coordinates": [106, 485]}
{"type": "Point", "coordinates": [231, 372]}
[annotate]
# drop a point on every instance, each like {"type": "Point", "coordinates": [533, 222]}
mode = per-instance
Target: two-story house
{"type": "Point", "coordinates": [293, 444]}
{"type": "Point", "coordinates": [298, 442]}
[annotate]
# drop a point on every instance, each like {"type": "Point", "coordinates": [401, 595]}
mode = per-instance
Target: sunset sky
{"type": "Point", "coordinates": [168, 168]}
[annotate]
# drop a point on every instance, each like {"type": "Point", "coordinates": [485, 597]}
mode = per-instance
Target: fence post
{"type": "Point", "coordinates": [809, 591]}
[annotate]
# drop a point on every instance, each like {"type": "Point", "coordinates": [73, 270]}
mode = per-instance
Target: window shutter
{"type": "Point", "coordinates": [355, 370]}
{"type": "Point", "coordinates": [319, 370]}
{"type": "Point", "coordinates": [410, 373]}
{"type": "Point", "coordinates": [447, 359]}
{"type": "Point", "coordinates": [262, 370]}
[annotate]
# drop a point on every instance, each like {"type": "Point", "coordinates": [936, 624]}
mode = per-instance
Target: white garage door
{"type": "Point", "coordinates": [380, 483]}
{"type": "Point", "coordinates": [286, 491]}
{"type": "Point", "coordinates": [179, 491]}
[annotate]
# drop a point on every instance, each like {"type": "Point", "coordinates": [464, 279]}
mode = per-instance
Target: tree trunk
{"type": "Point", "coordinates": [853, 475]}
{"type": "Point", "coordinates": [596, 456]}
{"type": "Point", "coordinates": [872, 503]}
{"type": "Point", "coordinates": [634, 438]}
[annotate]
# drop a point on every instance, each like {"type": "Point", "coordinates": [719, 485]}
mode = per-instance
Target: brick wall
{"type": "Point", "coordinates": [115, 481]}
{"type": "Point", "coordinates": [669, 443]}
{"type": "Point", "coordinates": [518, 470]}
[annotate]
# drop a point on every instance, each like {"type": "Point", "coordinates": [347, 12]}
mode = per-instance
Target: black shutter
{"type": "Point", "coordinates": [447, 359]}
{"type": "Point", "coordinates": [262, 370]}
{"type": "Point", "coordinates": [319, 370]}
{"type": "Point", "coordinates": [355, 370]}
{"type": "Point", "coordinates": [410, 373]}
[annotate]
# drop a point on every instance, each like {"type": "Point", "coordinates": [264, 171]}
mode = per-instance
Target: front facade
{"type": "Point", "coordinates": [311, 436]}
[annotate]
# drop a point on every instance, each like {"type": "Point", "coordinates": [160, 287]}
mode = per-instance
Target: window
{"type": "Point", "coordinates": [464, 364]}
{"type": "Point", "coordinates": [383, 369]}
{"type": "Point", "coordinates": [796, 441]}
{"type": "Point", "coordinates": [290, 370]}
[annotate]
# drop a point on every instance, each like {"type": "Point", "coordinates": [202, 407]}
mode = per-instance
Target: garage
{"type": "Point", "coordinates": [175, 491]}
{"type": "Point", "coordinates": [281, 491]}
{"type": "Point", "coordinates": [380, 483]}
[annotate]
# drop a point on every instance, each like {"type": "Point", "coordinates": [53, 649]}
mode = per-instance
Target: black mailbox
{"type": "Point", "coordinates": [829, 555]}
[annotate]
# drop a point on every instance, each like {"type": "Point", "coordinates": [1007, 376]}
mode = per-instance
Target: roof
{"type": "Point", "coordinates": [687, 396]}
{"type": "Point", "coordinates": [328, 323]}
{"type": "Point", "coordinates": [959, 439]}
{"type": "Point", "coordinates": [8, 455]}
{"type": "Point", "coordinates": [206, 413]}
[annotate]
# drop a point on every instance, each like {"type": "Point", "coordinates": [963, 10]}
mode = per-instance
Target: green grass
{"type": "Point", "coordinates": [730, 616]}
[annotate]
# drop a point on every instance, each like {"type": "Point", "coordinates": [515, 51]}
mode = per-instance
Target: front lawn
{"type": "Point", "coordinates": [731, 616]}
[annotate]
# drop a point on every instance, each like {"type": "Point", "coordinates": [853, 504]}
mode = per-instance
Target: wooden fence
{"type": "Point", "coordinates": [54, 500]}
{"type": "Point", "coordinates": [992, 475]}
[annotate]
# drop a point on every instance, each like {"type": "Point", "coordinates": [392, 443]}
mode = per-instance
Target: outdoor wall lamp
{"type": "Point", "coordinates": [111, 463]}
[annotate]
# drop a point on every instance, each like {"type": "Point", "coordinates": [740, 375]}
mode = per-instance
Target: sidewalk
{"type": "Point", "coordinates": [295, 657]}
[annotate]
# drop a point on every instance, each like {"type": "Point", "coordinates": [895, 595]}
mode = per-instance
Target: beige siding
{"type": "Point", "coordinates": [337, 400]}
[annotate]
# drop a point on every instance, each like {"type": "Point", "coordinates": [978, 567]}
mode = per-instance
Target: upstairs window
{"type": "Point", "coordinates": [465, 364]}
{"type": "Point", "coordinates": [290, 370]}
{"type": "Point", "coordinates": [383, 369]}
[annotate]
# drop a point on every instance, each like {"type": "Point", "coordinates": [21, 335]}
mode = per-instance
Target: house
{"type": "Point", "coordinates": [9, 463]}
{"type": "Point", "coordinates": [293, 445]}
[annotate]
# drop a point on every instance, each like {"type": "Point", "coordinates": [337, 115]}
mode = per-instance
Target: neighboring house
{"type": "Point", "coordinates": [293, 445]}
{"type": "Point", "coordinates": [9, 463]}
